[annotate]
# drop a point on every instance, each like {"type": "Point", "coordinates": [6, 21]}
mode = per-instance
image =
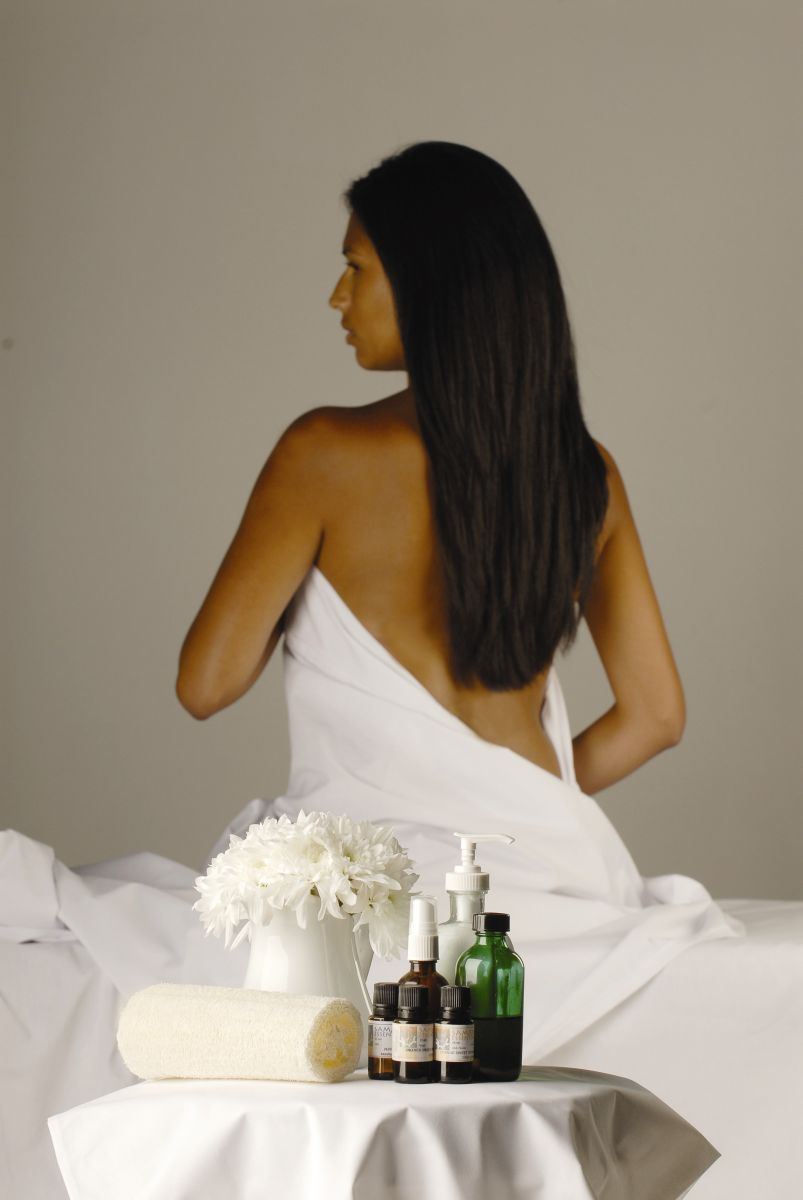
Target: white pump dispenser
{"type": "Point", "coordinates": [467, 886]}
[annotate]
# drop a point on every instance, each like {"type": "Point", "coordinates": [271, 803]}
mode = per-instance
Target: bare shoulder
{"type": "Point", "coordinates": [618, 507]}
{"type": "Point", "coordinates": [318, 435]}
{"type": "Point", "coordinates": [352, 418]}
{"type": "Point", "coordinates": [333, 430]}
{"type": "Point", "coordinates": [316, 425]}
{"type": "Point", "coordinates": [332, 445]}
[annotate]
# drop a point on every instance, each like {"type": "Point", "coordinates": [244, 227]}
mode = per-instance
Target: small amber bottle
{"type": "Point", "coordinates": [413, 1037]}
{"type": "Point", "coordinates": [454, 1037]}
{"type": "Point", "coordinates": [422, 951]}
{"type": "Point", "coordinates": [380, 1030]}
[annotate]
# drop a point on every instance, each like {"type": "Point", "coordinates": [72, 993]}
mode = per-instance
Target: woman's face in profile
{"type": "Point", "coordinates": [364, 298]}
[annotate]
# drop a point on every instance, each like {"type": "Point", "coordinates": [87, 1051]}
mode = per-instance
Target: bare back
{"type": "Point", "coordinates": [380, 553]}
{"type": "Point", "coordinates": [349, 489]}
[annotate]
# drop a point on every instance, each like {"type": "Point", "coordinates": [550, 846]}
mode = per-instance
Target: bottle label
{"type": "Point", "coordinates": [412, 1043]}
{"type": "Point", "coordinates": [454, 1043]}
{"type": "Point", "coordinates": [380, 1039]}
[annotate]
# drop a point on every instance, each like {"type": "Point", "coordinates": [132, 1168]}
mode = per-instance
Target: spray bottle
{"type": "Point", "coordinates": [422, 950]}
{"type": "Point", "coordinates": [467, 886]}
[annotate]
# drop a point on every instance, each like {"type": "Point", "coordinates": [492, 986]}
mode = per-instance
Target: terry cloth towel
{"type": "Point", "coordinates": [190, 1031]}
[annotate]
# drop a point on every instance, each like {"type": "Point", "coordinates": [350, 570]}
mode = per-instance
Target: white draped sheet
{"type": "Point", "coordinates": [74, 944]}
{"type": "Point", "coordinates": [551, 1134]}
{"type": "Point", "coordinates": [369, 740]}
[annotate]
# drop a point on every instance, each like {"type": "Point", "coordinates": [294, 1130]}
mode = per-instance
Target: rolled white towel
{"type": "Point", "coordinates": [188, 1031]}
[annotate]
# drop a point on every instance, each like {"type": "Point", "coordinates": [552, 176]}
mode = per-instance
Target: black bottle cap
{"type": "Point", "coordinates": [490, 922]}
{"type": "Point", "coordinates": [412, 995]}
{"type": "Point", "coordinates": [453, 996]}
{"type": "Point", "coordinates": [386, 995]}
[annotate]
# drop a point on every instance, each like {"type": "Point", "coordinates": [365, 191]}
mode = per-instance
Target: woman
{"type": "Point", "coordinates": [426, 555]}
{"type": "Point", "coordinates": [470, 520]}
{"type": "Point", "coordinates": [423, 558]}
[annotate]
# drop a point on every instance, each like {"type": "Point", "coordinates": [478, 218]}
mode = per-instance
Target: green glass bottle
{"type": "Point", "coordinates": [493, 971]}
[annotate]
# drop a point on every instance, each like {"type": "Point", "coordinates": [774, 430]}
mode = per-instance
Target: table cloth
{"type": "Point", "coordinates": [552, 1135]}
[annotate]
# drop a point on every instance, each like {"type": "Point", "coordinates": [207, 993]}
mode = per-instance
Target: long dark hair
{"type": "Point", "coordinates": [519, 487]}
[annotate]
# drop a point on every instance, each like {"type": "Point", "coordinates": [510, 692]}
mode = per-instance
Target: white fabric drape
{"type": "Point", "coordinates": [367, 738]}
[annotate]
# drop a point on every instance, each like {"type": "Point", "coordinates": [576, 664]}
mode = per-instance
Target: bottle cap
{"type": "Point", "coordinates": [453, 996]}
{"type": "Point", "coordinates": [491, 922]}
{"type": "Point", "coordinates": [468, 875]}
{"type": "Point", "coordinates": [422, 941]}
{"type": "Point", "coordinates": [412, 995]}
{"type": "Point", "coordinates": [386, 995]}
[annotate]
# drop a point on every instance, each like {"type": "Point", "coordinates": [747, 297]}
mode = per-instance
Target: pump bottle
{"type": "Point", "coordinates": [422, 950]}
{"type": "Point", "coordinates": [467, 886]}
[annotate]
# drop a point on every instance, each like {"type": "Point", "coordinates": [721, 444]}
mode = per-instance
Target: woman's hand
{"type": "Point", "coordinates": [625, 622]}
{"type": "Point", "coordinates": [240, 621]}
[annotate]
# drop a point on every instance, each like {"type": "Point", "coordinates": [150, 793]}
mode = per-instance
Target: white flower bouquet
{"type": "Point", "coordinates": [355, 868]}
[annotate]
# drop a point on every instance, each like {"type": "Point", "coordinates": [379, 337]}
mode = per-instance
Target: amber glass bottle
{"type": "Point", "coordinates": [380, 1030]}
{"type": "Point", "coordinates": [454, 1037]}
{"type": "Point", "coordinates": [422, 949]}
{"type": "Point", "coordinates": [413, 1060]}
{"type": "Point", "coordinates": [424, 973]}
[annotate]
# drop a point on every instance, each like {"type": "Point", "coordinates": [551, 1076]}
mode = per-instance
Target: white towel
{"type": "Point", "coordinates": [189, 1031]}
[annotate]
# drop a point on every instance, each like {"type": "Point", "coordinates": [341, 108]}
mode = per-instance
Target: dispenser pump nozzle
{"type": "Point", "coordinates": [468, 875]}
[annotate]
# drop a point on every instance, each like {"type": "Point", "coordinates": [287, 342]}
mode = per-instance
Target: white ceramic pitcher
{"type": "Point", "coordinates": [327, 958]}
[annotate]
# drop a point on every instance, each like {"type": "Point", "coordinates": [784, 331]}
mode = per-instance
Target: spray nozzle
{"type": "Point", "coordinates": [423, 914]}
{"type": "Point", "coordinates": [468, 875]}
{"type": "Point", "coordinates": [422, 942]}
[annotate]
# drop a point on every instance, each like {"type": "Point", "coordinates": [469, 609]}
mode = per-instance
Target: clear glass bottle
{"type": "Point", "coordinates": [466, 886]}
{"type": "Point", "coordinates": [494, 972]}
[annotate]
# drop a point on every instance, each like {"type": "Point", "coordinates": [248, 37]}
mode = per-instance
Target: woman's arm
{"type": "Point", "coordinates": [240, 621]}
{"type": "Point", "coordinates": [623, 616]}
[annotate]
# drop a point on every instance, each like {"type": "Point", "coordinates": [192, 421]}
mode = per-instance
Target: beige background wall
{"type": "Point", "coordinates": [172, 235]}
